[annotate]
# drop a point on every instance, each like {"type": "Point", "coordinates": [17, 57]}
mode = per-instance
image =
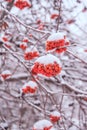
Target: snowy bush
{"type": "Point", "coordinates": [43, 65]}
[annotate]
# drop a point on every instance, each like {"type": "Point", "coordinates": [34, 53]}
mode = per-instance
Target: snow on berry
{"type": "Point", "coordinates": [43, 125]}
{"type": "Point", "coordinates": [55, 116]}
{"type": "Point", "coordinates": [48, 59]}
{"type": "Point", "coordinates": [31, 53]}
{"type": "Point", "coordinates": [21, 4]}
{"type": "Point", "coordinates": [29, 87]}
{"type": "Point", "coordinates": [25, 40]}
{"type": "Point", "coordinates": [5, 74]}
{"type": "Point", "coordinates": [23, 45]}
{"type": "Point", "coordinates": [56, 42]}
{"type": "Point", "coordinates": [47, 65]}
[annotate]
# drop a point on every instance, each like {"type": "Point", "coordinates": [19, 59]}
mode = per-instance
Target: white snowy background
{"type": "Point", "coordinates": [64, 93]}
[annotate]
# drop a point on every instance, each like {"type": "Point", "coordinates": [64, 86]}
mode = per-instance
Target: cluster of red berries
{"type": "Point", "coordinates": [5, 39]}
{"type": "Point", "coordinates": [25, 40]}
{"type": "Point", "coordinates": [55, 116]}
{"type": "Point", "coordinates": [46, 70]}
{"type": "Point", "coordinates": [57, 42]}
{"type": "Point", "coordinates": [21, 4]}
{"type": "Point", "coordinates": [30, 55]}
{"type": "Point", "coordinates": [29, 89]}
{"type": "Point", "coordinates": [5, 74]}
{"type": "Point", "coordinates": [57, 45]}
{"type": "Point", "coordinates": [6, 42]}
{"type": "Point", "coordinates": [23, 46]}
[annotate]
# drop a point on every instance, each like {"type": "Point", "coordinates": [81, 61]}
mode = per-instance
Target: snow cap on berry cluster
{"type": "Point", "coordinates": [43, 124]}
{"type": "Point", "coordinates": [31, 49]}
{"type": "Point", "coordinates": [30, 83]}
{"type": "Point", "coordinates": [56, 36]}
{"type": "Point", "coordinates": [48, 59]}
